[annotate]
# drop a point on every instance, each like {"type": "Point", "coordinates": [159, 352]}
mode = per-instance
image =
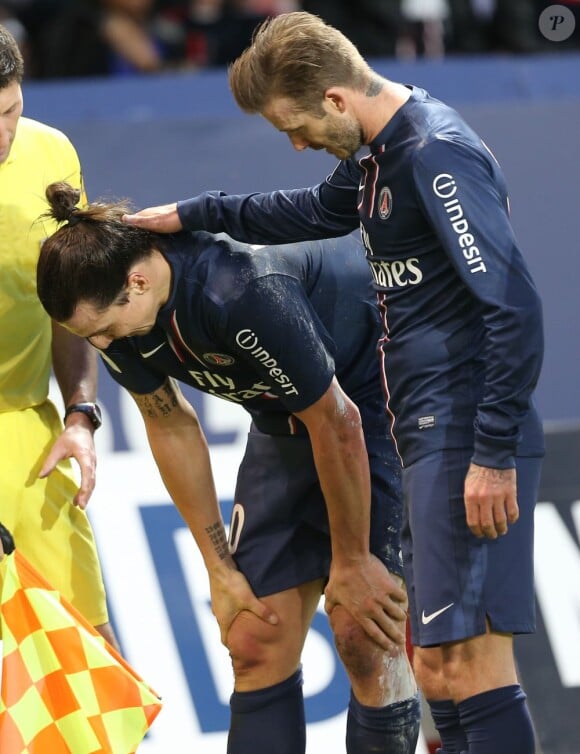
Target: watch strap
{"type": "Point", "coordinates": [87, 408]}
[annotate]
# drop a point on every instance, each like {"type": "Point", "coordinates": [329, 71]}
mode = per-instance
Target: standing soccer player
{"type": "Point", "coordinates": [40, 502]}
{"type": "Point", "coordinates": [462, 347]}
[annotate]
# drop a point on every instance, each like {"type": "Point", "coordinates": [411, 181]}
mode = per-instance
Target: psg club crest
{"type": "Point", "coordinates": [385, 203]}
{"type": "Point", "coordinates": [218, 359]}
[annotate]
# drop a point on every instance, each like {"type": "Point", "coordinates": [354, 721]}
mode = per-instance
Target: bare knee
{"type": "Point", "coordinates": [377, 677]}
{"type": "Point", "coordinates": [438, 669]}
{"type": "Point", "coordinates": [247, 643]}
{"type": "Point", "coordinates": [359, 654]}
{"type": "Point", "coordinates": [261, 654]}
{"type": "Point", "coordinates": [430, 672]}
{"type": "Point", "coordinates": [458, 670]}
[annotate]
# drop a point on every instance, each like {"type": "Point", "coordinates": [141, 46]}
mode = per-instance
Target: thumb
{"type": "Point", "coordinates": [257, 608]}
{"type": "Point", "coordinates": [265, 613]}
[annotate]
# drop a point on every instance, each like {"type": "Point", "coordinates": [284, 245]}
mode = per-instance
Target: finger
{"type": "Point", "coordinates": [386, 632]}
{"type": "Point", "coordinates": [486, 514]}
{"type": "Point", "coordinates": [480, 518]}
{"type": "Point", "coordinates": [395, 610]}
{"type": "Point", "coordinates": [476, 530]}
{"type": "Point", "coordinates": [500, 518]}
{"type": "Point", "coordinates": [487, 524]}
{"type": "Point", "coordinates": [163, 219]}
{"type": "Point", "coordinates": [472, 518]}
{"type": "Point", "coordinates": [489, 531]}
{"type": "Point", "coordinates": [512, 509]}
{"type": "Point", "coordinates": [265, 613]}
{"type": "Point", "coordinates": [394, 623]}
{"type": "Point", "coordinates": [397, 592]}
{"type": "Point", "coordinates": [139, 221]}
{"type": "Point", "coordinates": [81, 499]}
{"type": "Point", "coordinates": [378, 636]}
{"type": "Point", "coordinates": [224, 627]}
{"type": "Point", "coordinates": [87, 485]}
{"type": "Point", "coordinates": [50, 463]}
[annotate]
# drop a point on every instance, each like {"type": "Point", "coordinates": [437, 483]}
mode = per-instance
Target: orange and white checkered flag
{"type": "Point", "coordinates": [64, 689]}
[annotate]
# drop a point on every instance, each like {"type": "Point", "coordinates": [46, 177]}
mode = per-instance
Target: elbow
{"type": "Point", "coordinates": [347, 422]}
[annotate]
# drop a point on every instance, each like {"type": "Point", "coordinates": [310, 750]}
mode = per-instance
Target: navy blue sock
{"type": "Point", "coordinates": [393, 729]}
{"type": "Point", "coordinates": [498, 722]}
{"type": "Point", "coordinates": [446, 718]}
{"type": "Point", "coordinates": [269, 719]}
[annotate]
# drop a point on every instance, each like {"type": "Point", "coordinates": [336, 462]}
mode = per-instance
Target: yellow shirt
{"type": "Point", "coordinates": [39, 156]}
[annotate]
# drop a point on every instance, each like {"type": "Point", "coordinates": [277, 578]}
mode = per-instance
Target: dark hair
{"type": "Point", "coordinates": [299, 56]}
{"type": "Point", "coordinates": [89, 258]}
{"type": "Point", "coordinates": [11, 63]}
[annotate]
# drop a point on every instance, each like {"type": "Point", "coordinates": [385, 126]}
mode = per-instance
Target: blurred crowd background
{"type": "Point", "coordinates": [78, 38]}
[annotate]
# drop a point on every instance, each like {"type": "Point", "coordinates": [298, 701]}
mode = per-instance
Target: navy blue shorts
{"type": "Point", "coordinates": [454, 579]}
{"type": "Point", "coordinates": [279, 534]}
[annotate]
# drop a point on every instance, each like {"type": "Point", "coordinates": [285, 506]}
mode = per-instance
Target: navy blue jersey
{"type": "Point", "coordinates": [463, 338]}
{"type": "Point", "coordinates": [266, 328]}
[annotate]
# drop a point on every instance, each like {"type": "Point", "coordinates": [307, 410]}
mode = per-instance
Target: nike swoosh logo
{"type": "Point", "coordinates": [150, 353]}
{"type": "Point", "coordinates": [425, 619]}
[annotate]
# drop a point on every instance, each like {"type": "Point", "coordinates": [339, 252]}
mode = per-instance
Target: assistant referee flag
{"type": "Point", "coordinates": [64, 689]}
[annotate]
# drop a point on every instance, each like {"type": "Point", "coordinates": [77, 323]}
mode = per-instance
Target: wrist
{"type": "Point", "coordinates": [222, 569]}
{"type": "Point", "coordinates": [345, 560]}
{"type": "Point", "coordinates": [90, 412]}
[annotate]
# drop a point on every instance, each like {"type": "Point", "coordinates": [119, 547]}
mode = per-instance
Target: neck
{"type": "Point", "coordinates": [376, 112]}
{"type": "Point", "coordinates": [161, 277]}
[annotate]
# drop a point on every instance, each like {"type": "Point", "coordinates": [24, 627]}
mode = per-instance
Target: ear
{"type": "Point", "coordinates": [137, 283]}
{"type": "Point", "coordinates": [335, 99]}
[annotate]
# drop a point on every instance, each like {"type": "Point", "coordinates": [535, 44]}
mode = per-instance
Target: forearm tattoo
{"type": "Point", "coordinates": [158, 404]}
{"type": "Point", "coordinates": [218, 539]}
{"type": "Point", "coordinates": [496, 475]}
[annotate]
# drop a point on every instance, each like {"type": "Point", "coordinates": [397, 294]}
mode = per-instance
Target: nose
{"type": "Point", "coordinates": [299, 143]}
{"type": "Point", "coordinates": [100, 341]}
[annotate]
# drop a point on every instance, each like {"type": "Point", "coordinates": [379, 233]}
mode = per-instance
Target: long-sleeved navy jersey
{"type": "Point", "coordinates": [265, 328]}
{"type": "Point", "coordinates": [463, 337]}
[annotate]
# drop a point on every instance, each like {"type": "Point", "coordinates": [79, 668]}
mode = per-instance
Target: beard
{"type": "Point", "coordinates": [343, 139]}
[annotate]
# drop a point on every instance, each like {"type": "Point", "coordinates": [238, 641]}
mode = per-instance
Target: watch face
{"type": "Point", "coordinates": [96, 416]}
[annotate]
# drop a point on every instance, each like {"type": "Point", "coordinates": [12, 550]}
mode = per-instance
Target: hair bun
{"type": "Point", "coordinates": [63, 199]}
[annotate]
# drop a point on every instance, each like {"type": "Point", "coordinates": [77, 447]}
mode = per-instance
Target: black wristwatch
{"type": "Point", "coordinates": [88, 409]}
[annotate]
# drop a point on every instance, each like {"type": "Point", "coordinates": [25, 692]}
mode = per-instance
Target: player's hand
{"type": "Point", "coordinates": [75, 442]}
{"type": "Point", "coordinates": [374, 598]}
{"type": "Point", "coordinates": [163, 219]}
{"type": "Point", "coordinates": [490, 500]}
{"type": "Point", "coordinates": [232, 594]}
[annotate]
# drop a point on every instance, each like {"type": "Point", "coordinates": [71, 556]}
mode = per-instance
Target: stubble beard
{"type": "Point", "coordinates": [344, 139]}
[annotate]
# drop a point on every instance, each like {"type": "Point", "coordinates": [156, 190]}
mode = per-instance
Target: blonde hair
{"type": "Point", "coordinates": [297, 56]}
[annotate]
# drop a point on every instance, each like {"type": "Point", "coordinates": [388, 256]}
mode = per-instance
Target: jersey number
{"type": "Point", "coordinates": [236, 526]}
